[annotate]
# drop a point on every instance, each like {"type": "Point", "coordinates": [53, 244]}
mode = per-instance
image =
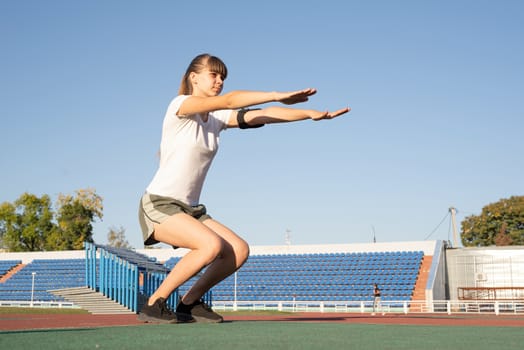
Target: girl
{"type": "Point", "coordinates": [170, 211]}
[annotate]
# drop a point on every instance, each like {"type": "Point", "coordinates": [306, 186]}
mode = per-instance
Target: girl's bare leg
{"type": "Point", "coordinates": [235, 252]}
{"type": "Point", "coordinates": [182, 230]}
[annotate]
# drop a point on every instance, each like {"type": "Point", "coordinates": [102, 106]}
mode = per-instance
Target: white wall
{"type": "Point", "coordinates": [164, 254]}
{"type": "Point", "coordinates": [485, 267]}
{"type": "Point", "coordinates": [428, 247]}
{"type": "Point", "coordinates": [27, 257]}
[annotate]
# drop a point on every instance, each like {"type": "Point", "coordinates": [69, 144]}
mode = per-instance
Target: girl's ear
{"type": "Point", "coordinates": [193, 77]}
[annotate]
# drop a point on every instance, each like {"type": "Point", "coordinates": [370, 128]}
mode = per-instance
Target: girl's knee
{"type": "Point", "coordinates": [241, 253]}
{"type": "Point", "coordinates": [213, 249]}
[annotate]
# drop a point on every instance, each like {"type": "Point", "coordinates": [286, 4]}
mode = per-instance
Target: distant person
{"type": "Point", "coordinates": [170, 210]}
{"type": "Point", "coordinates": [377, 303]}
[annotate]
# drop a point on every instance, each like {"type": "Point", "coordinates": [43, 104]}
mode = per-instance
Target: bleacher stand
{"type": "Point", "coordinates": [328, 277]}
{"type": "Point", "coordinates": [48, 274]}
{"type": "Point", "coordinates": [320, 277]}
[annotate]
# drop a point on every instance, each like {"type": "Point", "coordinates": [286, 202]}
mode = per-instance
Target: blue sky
{"type": "Point", "coordinates": [436, 90]}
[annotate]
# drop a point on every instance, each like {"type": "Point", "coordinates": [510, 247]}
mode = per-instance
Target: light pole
{"type": "Point", "coordinates": [32, 287]}
{"type": "Point", "coordinates": [456, 237]}
{"type": "Point", "coordinates": [235, 294]}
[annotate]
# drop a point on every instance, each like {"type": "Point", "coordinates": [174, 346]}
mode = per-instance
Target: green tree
{"type": "Point", "coordinates": [26, 224]}
{"type": "Point", "coordinates": [116, 237]}
{"type": "Point", "coordinates": [500, 223]}
{"type": "Point", "coordinates": [74, 216]}
{"type": "Point", "coordinates": [7, 222]}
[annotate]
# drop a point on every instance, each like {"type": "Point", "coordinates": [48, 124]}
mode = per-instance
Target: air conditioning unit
{"type": "Point", "coordinates": [481, 276]}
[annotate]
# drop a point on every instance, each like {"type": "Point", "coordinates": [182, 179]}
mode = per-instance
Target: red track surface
{"type": "Point", "coordinates": [9, 322]}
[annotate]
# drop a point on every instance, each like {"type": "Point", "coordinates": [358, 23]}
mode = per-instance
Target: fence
{"type": "Point", "coordinates": [39, 304]}
{"type": "Point", "coordinates": [491, 293]}
{"type": "Point", "coordinates": [389, 307]}
{"type": "Point", "coordinates": [124, 276]}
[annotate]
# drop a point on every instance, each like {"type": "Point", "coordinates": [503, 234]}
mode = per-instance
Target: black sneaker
{"type": "Point", "coordinates": [199, 311]}
{"type": "Point", "coordinates": [160, 313]}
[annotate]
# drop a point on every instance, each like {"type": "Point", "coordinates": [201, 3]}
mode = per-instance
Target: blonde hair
{"type": "Point", "coordinates": [198, 64]}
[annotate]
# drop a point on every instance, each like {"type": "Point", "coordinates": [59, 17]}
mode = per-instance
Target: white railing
{"type": "Point", "coordinates": [400, 307]}
{"type": "Point", "coordinates": [448, 307]}
{"type": "Point", "coordinates": [38, 304]}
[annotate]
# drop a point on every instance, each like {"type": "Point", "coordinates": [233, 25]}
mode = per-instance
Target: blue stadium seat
{"type": "Point", "coordinates": [8, 265]}
{"type": "Point", "coordinates": [329, 276]}
{"type": "Point", "coordinates": [49, 274]}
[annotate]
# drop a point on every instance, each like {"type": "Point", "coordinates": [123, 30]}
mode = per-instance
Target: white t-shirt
{"type": "Point", "coordinates": [187, 149]}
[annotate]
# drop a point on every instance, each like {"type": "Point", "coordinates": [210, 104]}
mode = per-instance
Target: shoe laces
{"type": "Point", "coordinates": [203, 304]}
{"type": "Point", "coordinates": [164, 309]}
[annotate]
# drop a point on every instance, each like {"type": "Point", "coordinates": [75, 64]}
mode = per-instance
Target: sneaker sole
{"type": "Point", "coordinates": [185, 318]}
{"type": "Point", "coordinates": [150, 319]}
{"type": "Point", "coordinates": [199, 319]}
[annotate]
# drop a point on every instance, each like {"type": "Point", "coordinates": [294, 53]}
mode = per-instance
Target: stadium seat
{"type": "Point", "coordinates": [48, 274]}
{"type": "Point", "coordinates": [315, 277]}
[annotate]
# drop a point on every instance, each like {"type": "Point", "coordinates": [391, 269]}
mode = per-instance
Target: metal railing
{"type": "Point", "coordinates": [126, 277]}
{"type": "Point", "coordinates": [122, 277]}
{"type": "Point", "coordinates": [39, 304]}
{"type": "Point", "coordinates": [398, 307]}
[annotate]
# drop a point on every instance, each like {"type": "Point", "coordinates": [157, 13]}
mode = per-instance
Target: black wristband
{"type": "Point", "coordinates": [242, 122]}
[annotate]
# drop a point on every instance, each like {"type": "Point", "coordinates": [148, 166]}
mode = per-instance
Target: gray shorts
{"type": "Point", "coordinates": [155, 209]}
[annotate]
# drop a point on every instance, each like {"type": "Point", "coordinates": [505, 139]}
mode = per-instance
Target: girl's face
{"type": "Point", "coordinates": [207, 83]}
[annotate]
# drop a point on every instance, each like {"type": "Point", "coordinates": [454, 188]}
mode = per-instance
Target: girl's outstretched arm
{"type": "Point", "coordinates": [271, 115]}
{"type": "Point", "coordinates": [240, 99]}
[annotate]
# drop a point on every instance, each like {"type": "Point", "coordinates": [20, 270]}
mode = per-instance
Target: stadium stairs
{"type": "Point", "coordinates": [11, 272]}
{"type": "Point", "coordinates": [91, 301]}
{"type": "Point", "coordinates": [419, 293]}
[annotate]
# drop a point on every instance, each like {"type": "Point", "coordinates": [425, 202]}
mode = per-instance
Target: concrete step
{"type": "Point", "coordinates": [94, 302]}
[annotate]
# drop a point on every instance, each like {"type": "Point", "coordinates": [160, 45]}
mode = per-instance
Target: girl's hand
{"type": "Point", "coordinates": [293, 97]}
{"type": "Point", "coordinates": [329, 115]}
